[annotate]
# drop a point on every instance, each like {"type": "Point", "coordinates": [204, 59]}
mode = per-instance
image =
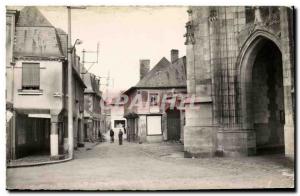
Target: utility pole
{"type": "Point", "coordinates": [70, 90]}
{"type": "Point", "coordinates": [70, 95]}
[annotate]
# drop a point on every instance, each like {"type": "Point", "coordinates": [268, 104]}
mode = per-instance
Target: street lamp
{"type": "Point", "coordinates": [70, 95]}
{"type": "Point", "coordinates": [77, 42]}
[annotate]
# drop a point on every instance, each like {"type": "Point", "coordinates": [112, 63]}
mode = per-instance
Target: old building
{"type": "Point", "coordinates": [149, 115]}
{"type": "Point", "coordinates": [240, 62]}
{"type": "Point", "coordinates": [92, 109]}
{"type": "Point", "coordinates": [37, 87]}
{"type": "Point", "coordinates": [10, 123]}
{"type": "Point", "coordinates": [116, 116]}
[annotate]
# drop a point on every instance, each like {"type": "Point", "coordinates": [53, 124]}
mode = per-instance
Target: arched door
{"type": "Point", "coordinates": [268, 99]}
{"type": "Point", "coordinates": [262, 92]}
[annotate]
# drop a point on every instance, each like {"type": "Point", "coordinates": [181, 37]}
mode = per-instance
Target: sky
{"type": "Point", "coordinates": [125, 35]}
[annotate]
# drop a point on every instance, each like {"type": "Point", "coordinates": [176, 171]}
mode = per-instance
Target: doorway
{"type": "Point", "coordinates": [173, 124]}
{"type": "Point", "coordinates": [267, 99]}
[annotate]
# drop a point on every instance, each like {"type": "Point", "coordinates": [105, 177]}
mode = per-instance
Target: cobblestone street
{"type": "Point", "coordinates": [152, 167]}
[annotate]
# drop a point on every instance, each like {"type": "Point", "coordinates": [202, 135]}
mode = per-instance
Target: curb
{"type": "Point", "coordinates": [46, 162]}
{"type": "Point", "coordinates": [39, 164]}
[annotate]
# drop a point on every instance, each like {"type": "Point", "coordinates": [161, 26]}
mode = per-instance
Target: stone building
{"type": "Point", "coordinates": [36, 77]}
{"type": "Point", "coordinates": [150, 118]}
{"type": "Point", "coordinates": [92, 109]}
{"type": "Point", "coordinates": [240, 61]}
{"type": "Point", "coordinates": [116, 116]}
{"type": "Point", "coordinates": [10, 36]}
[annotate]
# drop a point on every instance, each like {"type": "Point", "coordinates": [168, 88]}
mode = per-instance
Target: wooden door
{"type": "Point", "coordinates": [173, 124]}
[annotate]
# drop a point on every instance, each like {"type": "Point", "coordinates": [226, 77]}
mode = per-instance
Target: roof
{"type": "Point", "coordinates": [165, 74]}
{"type": "Point", "coordinates": [150, 79]}
{"type": "Point", "coordinates": [91, 84]}
{"type": "Point", "coordinates": [117, 101]}
{"type": "Point", "coordinates": [63, 39]}
{"type": "Point", "coordinates": [36, 36]}
{"type": "Point", "coordinates": [88, 83]}
{"type": "Point", "coordinates": [30, 16]}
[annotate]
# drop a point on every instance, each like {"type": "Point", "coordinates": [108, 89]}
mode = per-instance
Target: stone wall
{"type": "Point", "coordinates": [222, 44]}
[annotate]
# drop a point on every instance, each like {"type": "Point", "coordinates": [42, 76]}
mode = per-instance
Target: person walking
{"type": "Point", "coordinates": [120, 137]}
{"type": "Point", "coordinates": [112, 135]}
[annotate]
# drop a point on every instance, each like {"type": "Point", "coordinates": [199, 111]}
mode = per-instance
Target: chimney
{"type": "Point", "coordinates": [174, 55]}
{"type": "Point", "coordinates": [144, 67]}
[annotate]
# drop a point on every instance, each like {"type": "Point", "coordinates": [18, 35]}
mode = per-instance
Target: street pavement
{"type": "Point", "coordinates": [108, 166]}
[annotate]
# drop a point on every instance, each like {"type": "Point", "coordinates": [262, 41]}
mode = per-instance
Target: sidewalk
{"type": "Point", "coordinates": [38, 160]}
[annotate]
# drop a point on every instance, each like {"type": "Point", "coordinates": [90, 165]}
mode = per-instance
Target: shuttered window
{"type": "Point", "coordinates": [30, 76]}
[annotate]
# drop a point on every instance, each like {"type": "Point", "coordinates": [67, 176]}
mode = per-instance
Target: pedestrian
{"type": "Point", "coordinates": [112, 136]}
{"type": "Point", "coordinates": [124, 130]}
{"type": "Point", "coordinates": [99, 135]}
{"type": "Point", "coordinates": [120, 137]}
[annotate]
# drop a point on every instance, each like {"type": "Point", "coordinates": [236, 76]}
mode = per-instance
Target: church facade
{"type": "Point", "coordinates": [240, 62]}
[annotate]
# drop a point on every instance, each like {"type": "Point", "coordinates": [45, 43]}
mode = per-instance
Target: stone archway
{"type": "Point", "coordinates": [262, 97]}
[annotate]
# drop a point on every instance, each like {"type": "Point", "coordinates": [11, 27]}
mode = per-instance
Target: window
{"type": "Point", "coordinates": [31, 76]}
{"type": "Point", "coordinates": [153, 99]}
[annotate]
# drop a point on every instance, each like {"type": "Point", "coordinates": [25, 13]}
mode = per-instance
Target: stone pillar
{"type": "Point", "coordinates": [94, 129]}
{"type": "Point", "coordinates": [142, 129]}
{"type": "Point", "coordinates": [90, 129]}
{"type": "Point", "coordinates": [287, 49]}
{"type": "Point", "coordinates": [13, 136]}
{"type": "Point", "coordinates": [199, 131]}
{"type": "Point", "coordinates": [54, 146]}
{"type": "Point", "coordinates": [81, 132]}
{"type": "Point", "coordinates": [75, 132]}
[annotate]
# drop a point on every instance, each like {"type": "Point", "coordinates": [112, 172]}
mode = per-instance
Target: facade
{"type": "Point", "coordinates": [92, 111]}
{"type": "Point", "coordinates": [10, 123]}
{"type": "Point", "coordinates": [36, 75]}
{"type": "Point", "coordinates": [117, 120]}
{"type": "Point", "coordinates": [149, 115]}
{"type": "Point", "coordinates": [240, 62]}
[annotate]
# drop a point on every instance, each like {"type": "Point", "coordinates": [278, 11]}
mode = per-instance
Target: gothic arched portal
{"type": "Point", "coordinates": [262, 94]}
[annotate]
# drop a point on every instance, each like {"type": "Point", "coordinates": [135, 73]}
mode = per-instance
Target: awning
{"type": "Point", "coordinates": [35, 113]}
{"type": "Point", "coordinates": [131, 115]}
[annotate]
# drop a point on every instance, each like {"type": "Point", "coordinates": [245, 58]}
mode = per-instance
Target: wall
{"type": "Point", "coordinates": [10, 32]}
{"type": "Point", "coordinates": [145, 109]}
{"type": "Point", "coordinates": [50, 84]}
{"type": "Point", "coordinates": [117, 113]}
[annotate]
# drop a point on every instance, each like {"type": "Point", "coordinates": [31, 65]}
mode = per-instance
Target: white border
{"type": "Point", "coordinates": [107, 2]}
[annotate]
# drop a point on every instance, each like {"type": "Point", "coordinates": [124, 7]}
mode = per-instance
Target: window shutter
{"type": "Point", "coordinates": [144, 96]}
{"type": "Point", "coordinates": [31, 76]}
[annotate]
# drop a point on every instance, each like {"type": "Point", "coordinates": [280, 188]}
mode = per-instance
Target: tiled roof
{"type": "Point", "coordinates": [30, 16]}
{"type": "Point", "coordinates": [165, 74]}
{"type": "Point", "coordinates": [88, 83]}
{"type": "Point", "coordinates": [35, 36]}
{"type": "Point", "coordinates": [63, 38]}
{"type": "Point", "coordinates": [91, 84]}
